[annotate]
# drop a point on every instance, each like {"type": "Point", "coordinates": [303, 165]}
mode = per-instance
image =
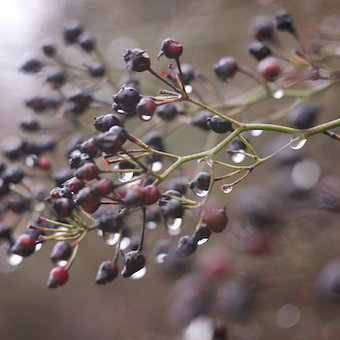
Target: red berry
{"type": "Point", "coordinates": [225, 68]}
{"type": "Point", "coordinates": [171, 49]}
{"type": "Point", "coordinates": [269, 68]}
{"type": "Point", "coordinates": [103, 187]}
{"type": "Point", "coordinates": [216, 219]}
{"type": "Point", "coordinates": [24, 245]}
{"type": "Point", "coordinates": [75, 184]}
{"type": "Point", "coordinates": [58, 277]}
{"type": "Point", "coordinates": [135, 196]}
{"type": "Point", "coordinates": [152, 194]}
{"type": "Point", "coordinates": [146, 108]}
{"type": "Point", "coordinates": [88, 171]}
{"type": "Point", "coordinates": [44, 163]}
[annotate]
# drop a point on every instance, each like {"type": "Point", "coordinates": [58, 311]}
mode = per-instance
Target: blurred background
{"type": "Point", "coordinates": [128, 309]}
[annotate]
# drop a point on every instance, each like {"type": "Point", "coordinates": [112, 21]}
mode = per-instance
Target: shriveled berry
{"type": "Point", "coordinates": [171, 49]}
{"type": "Point", "coordinates": [110, 222]}
{"type": "Point", "coordinates": [63, 207]}
{"type": "Point", "coordinates": [167, 112]}
{"type": "Point", "coordinates": [111, 141]}
{"type": "Point", "coordinates": [72, 31]}
{"type": "Point", "coordinates": [61, 251]}
{"type": "Point", "coordinates": [95, 69]}
{"type": "Point", "coordinates": [58, 277]}
{"type": "Point", "coordinates": [137, 60]}
{"type": "Point", "coordinates": [151, 194]}
{"type": "Point", "coordinates": [126, 99]}
{"type": "Point", "coordinates": [262, 29]}
{"type": "Point", "coordinates": [269, 68]}
{"type": "Point", "coordinates": [216, 219]}
{"type": "Point", "coordinates": [219, 124]}
{"type": "Point", "coordinates": [133, 261]}
{"type": "Point", "coordinates": [284, 22]}
{"type": "Point", "coordinates": [186, 246]}
{"type": "Point", "coordinates": [86, 42]}
{"type": "Point", "coordinates": [201, 120]}
{"type": "Point", "coordinates": [48, 49]}
{"type": "Point", "coordinates": [24, 245]}
{"type": "Point", "coordinates": [32, 65]}
{"type": "Point", "coordinates": [108, 271]}
{"type": "Point", "coordinates": [105, 122]}
{"type": "Point", "coordinates": [146, 108]}
{"type": "Point", "coordinates": [303, 115]}
{"type": "Point", "coordinates": [88, 171]}
{"type": "Point", "coordinates": [225, 68]}
{"type": "Point", "coordinates": [259, 50]}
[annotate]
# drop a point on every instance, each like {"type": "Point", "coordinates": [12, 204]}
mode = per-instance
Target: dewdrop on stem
{"type": "Point", "coordinates": [298, 144]}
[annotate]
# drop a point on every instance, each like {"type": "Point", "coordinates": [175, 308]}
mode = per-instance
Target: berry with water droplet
{"type": "Point", "coordinates": [24, 245]}
{"type": "Point", "coordinates": [110, 222]}
{"type": "Point", "coordinates": [186, 246]}
{"type": "Point", "coordinates": [134, 260]}
{"type": "Point", "coordinates": [219, 124]}
{"type": "Point", "coordinates": [58, 277]}
{"type": "Point", "coordinates": [107, 272]}
{"type": "Point", "coordinates": [216, 219]}
{"type": "Point", "coordinates": [61, 251]}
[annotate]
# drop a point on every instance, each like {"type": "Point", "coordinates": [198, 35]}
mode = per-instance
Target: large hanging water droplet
{"type": "Point", "coordinates": [156, 166]}
{"type": "Point", "coordinates": [188, 89]}
{"type": "Point", "coordinates": [174, 226]}
{"type": "Point", "coordinates": [202, 241]}
{"type": "Point", "coordinates": [124, 243]}
{"type": "Point", "coordinates": [14, 259]}
{"type": "Point", "coordinates": [38, 246]}
{"type": "Point", "coordinates": [200, 193]}
{"type": "Point", "coordinates": [125, 176]}
{"type": "Point", "coordinates": [151, 225]}
{"type": "Point", "coordinates": [62, 263]}
{"type": "Point", "coordinates": [238, 156]}
{"type": "Point", "coordinates": [226, 188]}
{"type": "Point", "coordinates": [298, 144]}
{"type": "Point", "coordinates": [256, 133]}
{"type": "Point", "coordinates": [138, 275]}
{"type": "Point", "coordinates": [278, 92]}
{"type": "Point", "coordinates": [111, 238]}
{"type": "Point", "coordinates": [146, 118]}
{"type": "Point", "coordinates": [39, 206]}
{"type": "Point", "coordinates": [100, 232]}
{"type": "Point", "coordinates": [160, 258]}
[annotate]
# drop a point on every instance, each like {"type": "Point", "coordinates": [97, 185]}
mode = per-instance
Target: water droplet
{"type": "Point", "coordinates": [124, 243]}
{"type": "Point", "coordinates": [201, 193]}
{"type": "Point", "coordinates": [226, 188]}
{"type": "Point", "coordinates": [151, 225]}
{"type": "Point", "coordinates": [288, 316]}
{"type": "Point", "coordinates": [111, 238]}
{"type": "Point", "coordinates": [138, 275]}
{"type": "Point", "coordinates": [202, 241]}
{"type": "Point", "coordinates": [14, 259]}
{"type": "Point", "coordinates": [100, 232]}
{"type": "Point", "coordinates": [160, 258]}
{"type": "Point", "coordinates": [174, 226]}
{"type": "Point", "coordinates": [156, 166]}
{"type": "Point", "coordinates": [146, 118]}
{"type": "Point", "coordinates": [31, 160]}
{"type": "Point", "coordinates": [62, 263]}
{"type": "Point", "coordinates": [209, 161]}
{"type": "Point", "coordinates": [238, 157]}
{"type": "Point", "coordinates": [39, 206]}
{"type": "Point", "coordinates": [278, 92]}
{"type": "Point", "coordinates": [256, 133]}
{"type": "Point", "coordinates": [188, 89]}
{"type": "Point", "coordinates": [125, 176]}
{"type": "Point", "coordinates": [298, 144]}
{"type": "Point", "coordinates": [306, 174]}
{"type": "Point", "coordinates": [38, 246]}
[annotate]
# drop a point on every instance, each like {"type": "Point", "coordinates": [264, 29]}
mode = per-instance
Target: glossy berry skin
{"type": "Point", "coordinates": [216, 219]}
{"type": "Point", "coordinates": [225, 69]}
{"type": "Point", "coordinates": [72, 31]}
{"type": "Point", "coordinates": [133, 261]}
{"type": "Point", "coordinates": [219, 124]}
{"type": "Point", "coordinates": [24, 245]}
{"type": "Point", "coordinates": [262, 29]}
{"type": "Point", "coordinates": [126, 99]}
{"type": "Point", "coordinates": [75, 184]}
{"type": "Point", "coordinates": [135, 196]}
{"type": "Point", "coordinates": [172, 49]}
{"type": "Point", "coordinates": [57, 278]}
{"type": "Point", "coordinates": [63, 207]}
{"type": "Point", "coordinates": [201, 181]}
{"type": "Point", "coordinates": [107, 272]}
{"type": "Point", "coordinates": [303, 116]}
{"type": "Point", "coordinates": [87, 172]}
{"type": "Point", "coordinates": [269, 68]}
{"type": "Point", "coordinates": [284, 22]}
{"type": "Point", "coordinates": [110, 222]}
{"type": "Point", "coordinates": [186, 246]}
{"type": "Point", "coordinates": [111, 141]}
{"type": "Point", "coordinates": [259, 51]}
{"type": "Point", "coordinates": [105, 122]}
{"type": "Point", "coordinates": [137, 60]}
{"type": "Point", "coordinates": [203, 232]}
{"type": "Point", "coordinates": [173, 209]}
{"type": "Point", "coordinates": [201, 120]}
{"type": "Point", "coordinates": [146, 108]}
{"type": "Point", "coordinates": [86, 42]}
{"type": "Point", "coordinates": [151, 194]}
{"type": "Point", "coordinates": [61, 251]}
{"type": "Point", "coordinates": [87, 147]}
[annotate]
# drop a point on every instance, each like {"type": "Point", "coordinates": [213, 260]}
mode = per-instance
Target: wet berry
{"type": "Point", "coordinates": [126, 100]}
{"type": "Point", "coordinates": [110, 222]}
{"type": "Point", "coordinates": [304, 115]}
{"type": "Point", "coordinates": [105, 122]}
{"type": "Point", "coordinates": [151, 194]}
{"type": "Point", "coordinates": [107, 272]}
{"type": "Point", "coordinates": [216, 219]}
{"type": "Point", "coordinates": [259, 51]}
{"type": "Point", "coordinates": [63, 207]}
{"type": "Point", "coordinates": [203, 232]}
{"type": "Point", "coordinates": [173, 209]}
{"type": "Point", "coordinates": [61, 251]}
{"type": "Point", "coordinates": [225, 68]}
{"type": "Point", "coordinates": [146, 108]}
{"type": "Point", "coordinates": [111, 141]}
{"type": "Point", "coordinates": [87, 172]}
{"type": "Point", "coordinates": [72, 31]}
{"type": "Point", "coordinates": [137, 60]}
{"type": "Point", "coordinates": [201, 181]}
{"type": "Point", "coordinates": [219, 124]}
{"type": "Point", "coordinates": [86, 42]}
{"type": "Point", "coordinates": [171, 49]}
{"type": "Point", "coordinates": [24, 245]}
{"type": "Point", "coordinates": [269, 68]}
{"type": "Point", "coordinates": [89, 148]}
{"type": "Point", "coordinates": [133, 261]}
{"type": "Point", "coordinates": [135, 196]}
{"type": "Point", "coordinates": [186, 246]}
{"type": "Point", "coordinates": [167, 112]}
{"type": "Point", "coordinates": [57, 278]}
{"type": "Point", "coordinates": [201, 120]}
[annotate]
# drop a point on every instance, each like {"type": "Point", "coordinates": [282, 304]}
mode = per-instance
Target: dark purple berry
{"type": "Point", "coordinates": [186, 246]}
{"type": "Point", "coordinates": [107, 272]}
{"type": "Point", "coordinates": [74, 184]}
{"type": "Point", "coordinates": [105, 122]}
{"type": "Point", "coordinates": [179, 184]}
{"type": "Point", "coordinates": [203, 232]}
{"type": "Point", "coordinates": [86, 42]}
{"type": "Point", "coordinates": [201, 181]}
{"type": "Point", "coordinates": [259, 50]}
{"type": "Point", "coordinates": [262, 29]}
{"type": "Point", "coordinates": [88, 147]}
{"type": "Point", "coordinates": [31, 66]}
{"type": "Point", "coordinates": [135, 196]}
{"type": "Point", "coordinates": [30, 124]}
{"type": "Point", "coordinates": [63, 207]}
{"type": "Point", "coordinates": [57, 278]}
{"type": "Point", "coordinates": [111, 141]}
{"type": "Point", "coordinates": [237, 145]}
{"type": "Point", "coordinates": [173, 209]}
{"type": "Point", "coordinates": [72, 31]}
{"type": "Point", "coordinates": [62, 176]}
{"type": "Point", "coordinates": [137, 60]}
{"type": "Point", "coordinates": [167, 112]}
{"type": "Point", "coordinates": [284, 22]}
{"type": "Point", "coordinates": [110, 222]}
{"type": "Point", "coordinates": [56, 78]}
{"type": "Point", "coordinates": [188, 73]}
{"type": "Point", "coordinates": [171, 49]}
{"type": "Point", "coordinates": [225, 68]}
{"type": "Point", "coordinates": [87, 172]}
{"type": "Point", "coordinates": [24, 245]}
{"type": "Point", "coordinates": [216, 219]}
{"type": "Point", "coordinates": [303, 116]}
{"type": "Point", "coordinates": [219, 124]}
{"type": "Point", "coordinates": [48, 49]}
{"type": "Point", "coordinates": [95, 69]}
{"type": "Point", "coordinates": [201, 120]}
{"type": "Point", "coordinates": [126, 100]}
{"type": "Point", "coordinates": [61, 251]}
{"type": "Point", "coordinates": [133, 261]}
{"type": "Point", "coordinates": [13, 175]}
